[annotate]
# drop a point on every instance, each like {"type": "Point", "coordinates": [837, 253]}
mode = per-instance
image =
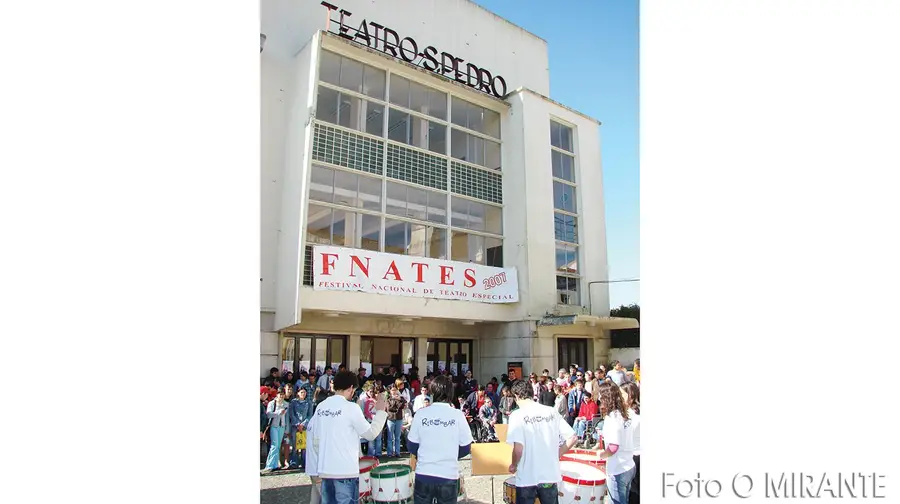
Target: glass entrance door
{"type": "Point", "coordinates": [572, 351]}
{"type": "Point", "coordinates": [455, 355]}
{"type": "Point", "coordinates": [312, 353]}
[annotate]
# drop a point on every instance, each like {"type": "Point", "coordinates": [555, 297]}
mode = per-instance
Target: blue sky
{"type": "Point", "coordinates": [593, 47]}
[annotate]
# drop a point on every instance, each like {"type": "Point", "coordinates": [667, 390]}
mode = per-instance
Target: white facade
{"type": "Point", "coordinates": [299, 55]}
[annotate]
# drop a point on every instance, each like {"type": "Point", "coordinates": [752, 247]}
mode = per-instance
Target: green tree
{"type": "Point", "coordinates": [629, 311]}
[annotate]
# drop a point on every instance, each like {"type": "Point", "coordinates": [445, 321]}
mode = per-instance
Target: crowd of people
{"type": "Point", "coordinates": [588, 402]}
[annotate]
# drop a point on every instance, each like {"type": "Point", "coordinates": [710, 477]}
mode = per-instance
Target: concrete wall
{"type": "Point", "coordinates": [295, 176]}
{"type": "Point", "coordinates": [625, 355]}
{"type": "Point", "coordinates": [459, 27]}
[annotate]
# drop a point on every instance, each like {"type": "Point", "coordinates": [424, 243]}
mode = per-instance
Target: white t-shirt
{"type": "Point", "coordinates": [440, 430]}
{"type": "Point", "coordinates": [540, 430]}
{"type": "Point", "coordinates": [636, 431]}
{"type": "Point", "coordinates": [335, 430]}
{"type": "Point", "coordinates": [618, 431]}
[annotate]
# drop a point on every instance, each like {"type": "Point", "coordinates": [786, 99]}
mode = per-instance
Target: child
{"type": "Point", "coordinates": [585, 414]}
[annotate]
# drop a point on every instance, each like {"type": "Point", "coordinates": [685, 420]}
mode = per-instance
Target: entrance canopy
{"type": "Point", "coordinates": [591, 321]}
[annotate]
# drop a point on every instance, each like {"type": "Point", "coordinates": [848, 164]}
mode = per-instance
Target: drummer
{"type": "Point", "coordinates": [335, 429]}
{"type": "Point", "coordinates": [439, 437]}
{"type": "Point", "coordinates": [539, 437]}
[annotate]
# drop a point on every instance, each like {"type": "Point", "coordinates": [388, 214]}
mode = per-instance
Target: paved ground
{"type": "Point", "coordinates": [293, 487]}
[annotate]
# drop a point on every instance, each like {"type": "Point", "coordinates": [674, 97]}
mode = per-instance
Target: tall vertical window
{"type": "Point", "coordinates": [403, 168]}
{"type": "Point", "coordinates": [565, 214]}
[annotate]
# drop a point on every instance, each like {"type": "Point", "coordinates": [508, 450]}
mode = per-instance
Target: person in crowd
{"type": "Point", "coordinates": [393, 375]}
{"type": "Point", "coordinates": [545, 373]}
{"type": "Point", "coordinates": [288, 378]}
{"type": "Point", "coordinates": [560, 402]}
{"type": "Point", "coordinates": [512, 375]}
{"type": "Point", "coordinates": [427, 402]}
{"type": "Point", "coordinates": [561, 379]}
{"type": "Point", "coordinates": [263, 418]}
{"type": "Point", "coordinates": [342, 368]}
{"type": "Point", "coordinates": [369, 400]}
{"type": "Point", "coordinates": [618, 437]}
{"type": "Point", "coordinates": [319, 396]}
{"type": "Point", "coordinates": [576, 397]}
{"type": "Point", "coordinates": [600, 373]}
{"type": "Point", "coordinates": [573, 369]}
{"type": "Point", "coordinates": [585, 414]}
{"type": "Point", "coordinates": [438, 437]}
{"type": "Point", "coordinates": [387, 377]}
{"type": "Point", "coordinates": [304, 383]}
{"type": "Point", "coordinates": [504, 382]}
{"type": "Point", "coordinates": [464, 406]}
{"type": "Point", "coordinates": [324, 381]}
{"type": "Point", "coordinates": [631, 400]}
{"type": "Point", "coordinates": [535, 387]}
{"type": "Point", "coordinates": [332, 455]}
{"type": "Point", "coordinates": [535, 432]}
{"type": "Point", "coordinates": [588, 381]}
{"type": "Point", "coordinates": [401, 387]}
{"type": "Point", "coordinates": [274, 374]}
{"type": "Point", "coordinates": [276, 411]}
{"type": "Point", "coordinates": [414, 383]}
{"type": "Point", "coordinates": [395, 405]}
{"type": "Point", "coordinates": [361, 375]}
{"type": "Point", "coordinates": [617, 373]}
{"type": "Point", "coordinates": [470, 384]}
{"type": "Point", "coordinates": [288, 444]}
{"type": "Point", "coordinates": [636, 369]}
{"type": "Point", "coordinates": [490, 391]}
{"type": "Point", "coordinates": [476, 400]}
{"type": "Point", "coordinates": [506, 405]}
{"type": "Point", "coordinates": [420, 399]}
{"type": "Point", "coordinates": [548, 396]}
{"type": "Point", "coordinates": [300, 411]}
{"type": "Point", "coordinates": [487, 414]}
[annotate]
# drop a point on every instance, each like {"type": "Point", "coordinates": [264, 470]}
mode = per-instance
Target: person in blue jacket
{"type": "Point", "coordinates": [300, 412]}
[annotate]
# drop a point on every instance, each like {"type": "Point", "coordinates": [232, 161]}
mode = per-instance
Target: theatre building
{"type": "Point", "coordinates": [424, 203]}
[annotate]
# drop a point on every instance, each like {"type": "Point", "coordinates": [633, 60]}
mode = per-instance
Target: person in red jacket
{"type": "Point", "coordinates": [585, 414]}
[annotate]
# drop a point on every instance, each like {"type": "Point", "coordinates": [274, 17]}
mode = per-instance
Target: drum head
{"type": "Point", "coordinates": [391, 471]}
{"type": "Point", "coordinates": [366, 464]}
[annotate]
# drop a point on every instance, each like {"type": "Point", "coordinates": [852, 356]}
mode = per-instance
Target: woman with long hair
{"type": "Point", "coordinates": [395, 406]}
{"type": "Point", "coordinates": [631, 398]}
{"type": "Point", "coordinates": [617, 434]}
{"type": "Point", "coordinates": [276, 411]}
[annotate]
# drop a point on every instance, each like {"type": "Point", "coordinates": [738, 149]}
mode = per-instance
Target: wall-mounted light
{"type": "Point", "coordinates": [262, 41]}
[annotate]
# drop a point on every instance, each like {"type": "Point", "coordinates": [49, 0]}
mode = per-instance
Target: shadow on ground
{"type": "Point", "coordinates": [283, 495]}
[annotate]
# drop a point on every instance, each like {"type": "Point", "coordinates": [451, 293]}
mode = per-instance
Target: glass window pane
{"type": "Point", "coordinates": [365, 350]}
{"type": "Point", "coordinates": [418, 132]}
{"type": "Point", "coordinates": [417, 203]}
{"type": "Point", "coordinates": [491, 123]}
{"type": "Point", "coordinates": [476, 216]}
{"type": "Point", "coordinates": [493, 219]}
{"type": "Point", "coordinates": [407, 354]}
{"type": "Point", "coordinates": [437, 104]}
{"type": "Point", "coordinates": [418, 97]}
{"type": "Point", "coordinates": [476, 118]}
{"type": "Point", "coordinates": [396, 199]}
{"type": "Point", "coordinates": [399, 91]}
{"type": "Point", "coordinates": [398, 126]}
{"type": "Point", "coordinates": [348, 111]}
{"type": "Point", "coordinates": [337, 352]}
{"type": "Point", "coordinates": [466, 247]}
{"type": "Point", "coordinates": [345, 188]}
{"type": "Point", "coordinates": [494, 250]}
{"type": "Point", "coordinates": [459, 112]}
{"type": "Point", "coordinates": [554, 134]}
{"type": "Point", "coordinates": [303, 351]}
{"type": "Point", "coordinates": [374, 119]}
{"type": "Point", "coordinates": [475, 152]}
{"type": "Point", "coordinates": [459, 216]}
{"type": "Point", "coordinates": [373, 82]}
{"type": "Point", "coordinates": [327, 105]}
{"type": "Point", "coordinates": [318, 225]}
{"type": "Point", "coordinates": [396, 236]}
{"type": "Point", "coordinates": [418, 239]}
{"type": "Point", "coordinates": [437, 244]}
{"type": "Point", "coordinates": [319, 359]}
{"type": "Point", "coordinates": [330, 68]}
{"type": "Point", "coordinates": [458, 144]}
{"type": "Point", "coordinates": [492, 155]}
{"type": "Point", "coordinates": [370, 232]}
{"type": "Point", "coordinates": [370, 193]}
{"type": "Point", "coordinates": [566, 259]}
{"type": "Point", "coordinates": [564, 197]}
{"type": "Point", "coordinates": [287, 349]}
{"type": "Point", "coordinates": [437, 138]}
{"type": "Point", "coordinates": [339, 228]}
{"type": "Point", "coordinates": [437, 207]}
{"type": "Point", "coordinates": [563, 166]}
{"type": "Point", "coordinates": [565, 138]}
{"type": "Point", "coordinates": [566, 228]}
{"type": "Point", "coordinates": [321, 184]}
{"type": "Point", "coordinates": [351, 74]}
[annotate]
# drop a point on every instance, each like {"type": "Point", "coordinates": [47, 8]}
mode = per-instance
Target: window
{"type": "Point", "coordinates": [333, 226]}
{"type": "Point", "coordinates": [413, 130]}
{"type": "Point", "coordinates": [353, 75]}
{"type": "Point", "coordinates": [467, 247]}
{"type": "Point", "coordinates": [565, 214]}
{"type": "Point", "coordinates": [414, 96]}
{"type": "Point", "coordinates": [474, 117]}
{"type": "Point", "coordinates": [383, 175]}
{"type": "Point", "coordinates": [349, 111]}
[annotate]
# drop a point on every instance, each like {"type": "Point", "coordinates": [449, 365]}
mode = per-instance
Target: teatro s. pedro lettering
{"type": "Point", "coordinates": [424, 203]}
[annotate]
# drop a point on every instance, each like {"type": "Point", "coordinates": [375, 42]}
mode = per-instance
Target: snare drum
{"type": "Point", "coordinates": [366, 464]}
{"type": "Point", "coordinates": [391, 484]}
{"type": "Point", "coordinates": [581, 483]}
{"type": "Point", "coordinates": [509, 491]}
{"type": "Point", "coordinates": [589, 457]}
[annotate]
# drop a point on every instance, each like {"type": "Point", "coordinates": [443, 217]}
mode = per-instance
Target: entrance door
{"type": "Point", "coordinates": [572, 351]}
{"type": "Point", "coordinates": [312, 352]}
{"type": "Point", "coordinates": [376, 353]}
{"type": "Point", "coordinates": [455, 355]}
